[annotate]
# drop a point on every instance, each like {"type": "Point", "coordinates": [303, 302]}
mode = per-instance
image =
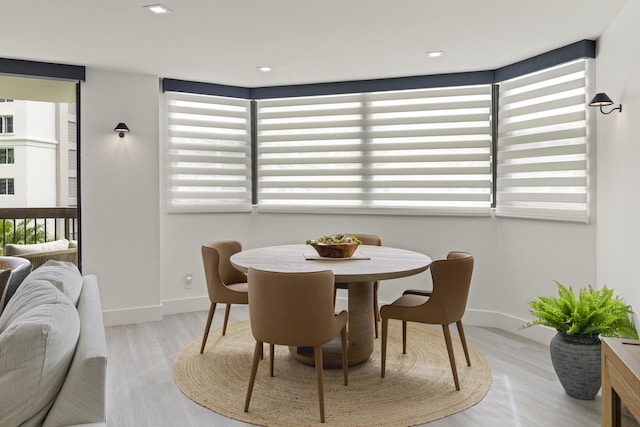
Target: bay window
{"type": "Point", "coordinates": [515, 140]}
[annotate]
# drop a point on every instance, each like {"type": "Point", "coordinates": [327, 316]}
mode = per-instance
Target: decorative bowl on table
{"type": "Point", "coordinates": [335, 246]}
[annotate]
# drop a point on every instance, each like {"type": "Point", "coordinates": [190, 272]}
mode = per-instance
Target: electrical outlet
{"type": "Point", "coordinates": [188, 279]}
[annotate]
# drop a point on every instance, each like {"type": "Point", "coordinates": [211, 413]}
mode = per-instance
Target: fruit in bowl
{"type": "Point", "coordinates": [335, 245]}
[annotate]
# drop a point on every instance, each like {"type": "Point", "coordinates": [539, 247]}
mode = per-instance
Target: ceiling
{"type": "Point", "coordinates": [303, 41]}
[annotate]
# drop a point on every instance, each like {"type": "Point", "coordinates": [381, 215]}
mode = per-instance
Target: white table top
{"type": "Point", "coordinates": [383, 262]}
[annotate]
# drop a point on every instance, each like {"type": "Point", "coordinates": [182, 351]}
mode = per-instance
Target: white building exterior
{"type": "Point", "coordinates": [42, 140]}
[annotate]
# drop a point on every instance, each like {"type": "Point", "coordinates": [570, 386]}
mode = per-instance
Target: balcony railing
{"type": "Point", "coordinates": [37, 225]}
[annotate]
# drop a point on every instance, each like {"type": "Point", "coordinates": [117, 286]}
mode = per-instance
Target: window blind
{"type": "Point", "coordinates": [411, 151]}
{"type": "Point", "coordinates": [37, 89]}
{"type": "Point", "coordinates": [543, 163]}
{"type": "Point", "coordinates": [208, 150]}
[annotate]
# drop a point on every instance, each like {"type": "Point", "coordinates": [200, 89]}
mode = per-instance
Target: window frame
{"type": "Point", "coordinates": [55, 72]}
{"type": "Point", "coordinates": [545, 134]}
{"type": "Point", "coordinates": [7, 187]}
{"type": "Point", "coordinates": [207, 142]}
{"type": "Point", "coordinates": [414, 151]}
{"type": "Point", "coordinates": [6, 124]}
{"type": "Point", "coordinates": [581, 49]}
{"type": "Point", "coordinates": [8, 155]}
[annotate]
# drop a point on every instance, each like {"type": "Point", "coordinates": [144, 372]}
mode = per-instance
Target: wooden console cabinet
{"type": "Point", "coordinates": [620, 379]}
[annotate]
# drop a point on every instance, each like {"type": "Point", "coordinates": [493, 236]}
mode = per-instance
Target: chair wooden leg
{"type": "Point", "coordinates": [254, 370]}
{"type": "Point", "coordinates": [212, 310]}
{"type": "Point", "coordinates": [376, 286]}
{"type": "Point", "coordinates": [452, 359]}
{"type": "Point", "coordinates": [404, 337]}
{"type": "Point", "coordinates": [383, 352]}
{"type": "Point", "coordinates": [320, 378]}
{"type": "Point", "coordinates": [335, 294]}
{"type": "Point", "coordinates": [226, 319]}
{"type": "Point", "coordinates": [271, 358]}
{"type": "Point", "coordinates": [345, 355]}
{"type": "Point", "coordinates": [376, 309]}
{"type": "Point", "coordinates": [463, 341]}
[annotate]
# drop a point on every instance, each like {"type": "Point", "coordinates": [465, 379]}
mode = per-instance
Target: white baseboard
{"type": "Point", "coordinates": [132, 315]}
{"type": "Point", "coordinates": [484, 318]}
{"type": "Point", "coordinates": [508, 323]}
{"type": "Point", "coordinates": [185, 305]}
{"type": "Point", "coordinates": [491, 319]}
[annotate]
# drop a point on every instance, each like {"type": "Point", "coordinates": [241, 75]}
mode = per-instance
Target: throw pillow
{"type": "Point", "coordinates": [63, 275]}
{"type": "Point", "coordinates": [39, 330]}
{"type": "Point", "coordinates": [5, 275]}
{"type": "Point", "coordinates": [20, 269]}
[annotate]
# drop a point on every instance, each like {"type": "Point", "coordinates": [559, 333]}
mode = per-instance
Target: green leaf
{"type": "Point", "coordinates": [592, 312]}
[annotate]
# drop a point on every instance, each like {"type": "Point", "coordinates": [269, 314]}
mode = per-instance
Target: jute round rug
{"type": "Point", "coordinates": [418, 386]}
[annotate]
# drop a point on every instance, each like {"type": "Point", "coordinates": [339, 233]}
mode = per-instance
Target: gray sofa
{"type": "Point", "coordinates": [53, 356]}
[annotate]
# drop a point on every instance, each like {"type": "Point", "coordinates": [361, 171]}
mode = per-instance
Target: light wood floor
{"type": "Point", "coordinates": [141, 391]}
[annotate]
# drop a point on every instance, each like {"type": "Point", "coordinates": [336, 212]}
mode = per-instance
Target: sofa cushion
{"type": "Point", "coordinates": [5, 275]}
{"type": "Point", "coordinates": [63, 275]}
{"type": "Point", "coordinates": [13, 249]}
{"type": "Point", "coordinates": [39, 329]}
{"type": "Point", "coordinates": [82, 397]}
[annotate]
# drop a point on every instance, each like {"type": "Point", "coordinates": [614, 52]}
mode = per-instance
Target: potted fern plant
{"type": "Point", "coordinates": [580, 321]}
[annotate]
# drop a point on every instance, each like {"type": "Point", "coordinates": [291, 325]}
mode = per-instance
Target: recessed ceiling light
{"type": "Point", "coordinates": [435, 54]}
{"type": "Point", "coordinates": [157, 8]}
{"type": "Point", "coordinates": [264, 68]}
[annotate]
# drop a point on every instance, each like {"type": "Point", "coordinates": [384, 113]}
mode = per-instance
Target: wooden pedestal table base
{"type": "Point", "coordinates": [360, 332]}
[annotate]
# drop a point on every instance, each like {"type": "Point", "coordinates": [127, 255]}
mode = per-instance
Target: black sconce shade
{"type": "Point", "coordinates": [121, 129]}
{"type": "Point", "coordinates": [602, 100]}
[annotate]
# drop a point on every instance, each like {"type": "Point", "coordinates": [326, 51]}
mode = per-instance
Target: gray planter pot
{"type": "Point", "coordinates": [576, 360]}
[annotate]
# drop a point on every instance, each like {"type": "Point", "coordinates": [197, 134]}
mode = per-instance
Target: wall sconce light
{"type": "Point", "coordinates": [121, 129]}
{"type": "Point", "coordinates": [602, 100]}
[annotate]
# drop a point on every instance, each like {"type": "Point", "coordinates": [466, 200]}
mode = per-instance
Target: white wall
{"type": "Point", "coordinates": [516, 260]}
{"type": "Point", "coordinates": [141, 254]}
{"type": "Point", "coordinates": [618, 237]}
{"type": "Point", "coordinates": [119, 193]}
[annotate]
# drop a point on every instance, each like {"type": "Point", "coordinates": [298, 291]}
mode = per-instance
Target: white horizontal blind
{"type": "Point", "coordinates": [208, 153]}
{"type": "Point", "coordinates": [543, 145]}
{"type": "Point", "coordinates": [412, 151]}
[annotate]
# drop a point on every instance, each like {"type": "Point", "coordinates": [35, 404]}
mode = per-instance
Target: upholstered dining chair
{"type": "Point", "coordinates": [225, 284]}
{"type": "Point", "coordinates": [294, 309]}
{"type": "Point", "coordinates": [443, 305]}
{"type": "Point", "coordinates": [373, 240]}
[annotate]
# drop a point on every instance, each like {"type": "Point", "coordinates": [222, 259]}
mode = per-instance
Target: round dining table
{"type": "Point", "coordinates": [366, 266]}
